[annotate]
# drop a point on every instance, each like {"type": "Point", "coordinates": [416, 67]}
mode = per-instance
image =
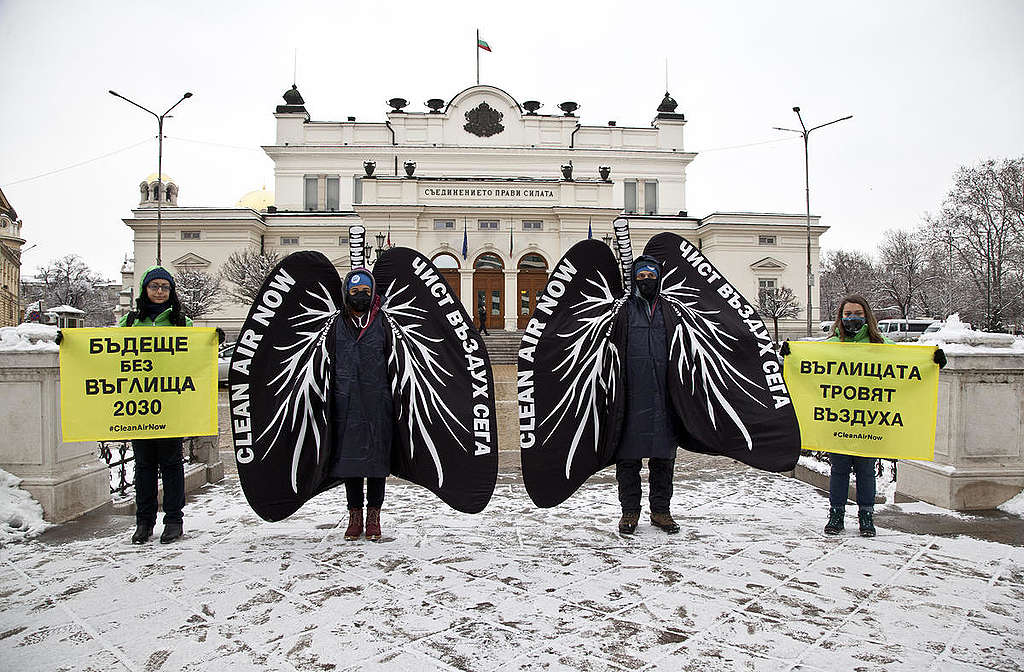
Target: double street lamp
{"type": "Point", "coordinates": [159, 162]}
{"type": "Point", "coordinates": [806, 132]}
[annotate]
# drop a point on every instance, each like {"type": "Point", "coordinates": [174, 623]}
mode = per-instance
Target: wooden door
{"type": "Point", "coordinates": [455, 280]}
{"type": "Point", "coordinates": [489, 287]}
{"type": "Point", "coordinates": [530, 285]}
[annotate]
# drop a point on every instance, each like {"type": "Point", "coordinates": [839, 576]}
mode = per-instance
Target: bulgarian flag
{"type": "Point", "coordinates": [483, 45]}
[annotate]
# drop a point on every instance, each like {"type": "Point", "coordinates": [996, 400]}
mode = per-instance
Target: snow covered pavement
{"type": "Point", "coordinates": [749, 584]}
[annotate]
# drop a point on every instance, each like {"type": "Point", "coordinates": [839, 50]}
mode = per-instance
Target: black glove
{"type": "Point", "coordinates": [784, 350]}
{"type": "Point", "coordinates": [939, 357]}
{"type": "Point", "coordinates": [220, 336]}
{"type": "Point", "coordinates": [59, 337]}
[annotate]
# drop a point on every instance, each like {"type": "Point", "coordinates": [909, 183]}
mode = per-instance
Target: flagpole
{"type": "Point", "coordinates": [476, 48]}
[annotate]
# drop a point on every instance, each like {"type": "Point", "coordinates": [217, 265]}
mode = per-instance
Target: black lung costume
{"type": "Point", "coordinates": [293, 384]}
{"type": "Point", "coordinates": [723, 383]}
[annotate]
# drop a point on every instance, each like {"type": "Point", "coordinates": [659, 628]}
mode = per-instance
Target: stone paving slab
{"type": "Point", "coordinates": [750, 583]}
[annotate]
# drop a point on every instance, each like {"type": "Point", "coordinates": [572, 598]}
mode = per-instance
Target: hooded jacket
{"type": "Point", "coordinates": [137, 318]}
{"type": "Point", "coordinates": [647, 428]}
{"type": "Point", "coordinates": [362, 404]}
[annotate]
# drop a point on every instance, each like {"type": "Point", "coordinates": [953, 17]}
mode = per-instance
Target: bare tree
{"type": "Point", "coordinates": [982, 223]}
{"type": "Point", "coordinates": [246, 270]}
{"type": "Point", "coordinates": [70, 281]}
{"type": "Point", "coordinates": [777, 303]}
{"type": "Point", "coordinates": [198, 291]}
{"type": "Point", "coordinates": [902, 271]}
{"type": "Point", "coordinates": [845, 272]}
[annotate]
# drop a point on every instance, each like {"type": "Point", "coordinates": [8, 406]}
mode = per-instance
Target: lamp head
{"type": "Point", "coordinates": [188, 94]}
{"type": "Point", "coordinates": [796, 109]}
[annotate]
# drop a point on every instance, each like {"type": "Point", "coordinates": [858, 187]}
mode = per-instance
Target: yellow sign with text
{"type": "Point", "coordinates": [865, 399]}
{"type": "Point", "coordinates": [138, 383]}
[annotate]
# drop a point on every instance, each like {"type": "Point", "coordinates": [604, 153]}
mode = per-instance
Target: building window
{"type": "Point", "coordinates": [357, 189]}
{"type": "Point", "coordinates": [650, 197]}
{"type": "Point", "coordinates": [765, 284]}
{"type": "Point", "coordinates": [190, 235]}
{"type": "Point", "coordinates": [532, 225]}
{"type": "Point", "coordinates": [333, 194]}
{"type": "Point", "coordinates": [343, 241]}
{"type": "Point", "coordinates": [629, 196]}
{"type": "Point", "coordinates": [488, 224]}
{"type": "Point", "coordinates": [309, 200]}
{"type": "Point", "coordinates": [766, 240]}
{"type": "Point", "coordinates": [444, 224]}
{"type": "Point", "coordinates": [289, 240]}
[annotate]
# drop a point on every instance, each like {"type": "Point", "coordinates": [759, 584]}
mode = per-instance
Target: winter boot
{"type": "Point", "coordinates": [373, 524]}
{"type": "Point", "coordinates": [867, 523]}
{"type": "Point", "coordinates": [664, 521]}
{"type": "Point", "coordinates": [627, 524]}
{"type": "Point", "coordinates": [835, 520]}
{"type": "Point", "coordinates": [171, 532]}
{"type": "Point", "coordinates": [355, 525]}
{"type": "Point", "coordinates": [143, 531]}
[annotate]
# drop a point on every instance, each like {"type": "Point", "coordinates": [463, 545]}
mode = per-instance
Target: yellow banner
{"type": "Point", "coordinates": [138, 383]}
{"type": "Point", "coordinates": [865, 399]}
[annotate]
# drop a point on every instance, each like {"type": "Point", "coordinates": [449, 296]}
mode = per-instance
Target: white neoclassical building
{"type": "Point", "coordinates": [518, 186]}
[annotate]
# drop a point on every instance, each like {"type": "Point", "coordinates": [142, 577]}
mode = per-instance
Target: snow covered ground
{"type": "Point", "coordinates": [750, 583]}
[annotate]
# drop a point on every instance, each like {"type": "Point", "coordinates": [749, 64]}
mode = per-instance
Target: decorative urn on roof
{"type": "Point", "coordinates": [568, 107]}
{"type": "Point", "coordinates": [435, 105]}
{"type": "Point", "coordinates": [397, 104]}
{"type": "Point", "coordinates": [531, 106]}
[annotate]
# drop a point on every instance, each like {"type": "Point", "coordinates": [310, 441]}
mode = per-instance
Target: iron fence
{"type": "Point", "coordinates": [120, 459]}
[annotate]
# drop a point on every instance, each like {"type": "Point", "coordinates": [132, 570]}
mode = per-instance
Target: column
{"type": "Point", "coordinates": [466, 291]}
{"type": "Point", "coordinates": [511, 299]}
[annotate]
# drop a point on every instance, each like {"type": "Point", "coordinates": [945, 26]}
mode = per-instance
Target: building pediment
{"type": "Point", "coordinates": [768, 264]}
{"type": "Point", "coordinates": [190, 260]}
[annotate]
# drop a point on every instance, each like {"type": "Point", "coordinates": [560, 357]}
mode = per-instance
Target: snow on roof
{"type": "Point", "coordinates": [66, 309]}
{"type": "Point", "coordinates": [28, 337]}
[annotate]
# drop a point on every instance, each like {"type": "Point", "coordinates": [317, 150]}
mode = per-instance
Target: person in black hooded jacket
{"type": "Point", "coordinates": [363, 406]}
{"type": "Point", "coordinates": [647, 429]}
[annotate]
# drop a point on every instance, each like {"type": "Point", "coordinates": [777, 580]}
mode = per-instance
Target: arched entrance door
{"type": "Point", "coordinates": [531, 278]}
{"type": "Point", "coordinates": [449, 267]}
{"type": "Point", "coordinates": [489, 289]}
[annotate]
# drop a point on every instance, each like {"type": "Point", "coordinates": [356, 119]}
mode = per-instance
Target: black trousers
{"type": "Point", "coordinates": [374, 492]}
{"type": "Point", "coordinates": [627, 473]}
{"type": "Point", "coordinates": [165, 455]}
{"type": "Point", "coordinates": [483, 324]}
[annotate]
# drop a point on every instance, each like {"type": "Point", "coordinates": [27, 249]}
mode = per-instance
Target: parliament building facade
{"type": "Point", "coordinates": [518, 186]}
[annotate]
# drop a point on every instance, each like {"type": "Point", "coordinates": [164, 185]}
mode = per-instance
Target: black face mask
{"type": "Point", "coordinates": [359, 302]}
{"type": "Point", "coordinates": [648, 288]}
{"type": "Point", "coordinates": [852, 324]}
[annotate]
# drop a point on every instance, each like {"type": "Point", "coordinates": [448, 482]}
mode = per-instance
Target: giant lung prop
{"type": "Point", "coordinates": [282, 370]}
{"type": "Point", "coordinates": [725, 384]}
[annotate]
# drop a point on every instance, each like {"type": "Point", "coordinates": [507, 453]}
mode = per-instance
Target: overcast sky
{"type": "Point", "coordinates": [932, 85]}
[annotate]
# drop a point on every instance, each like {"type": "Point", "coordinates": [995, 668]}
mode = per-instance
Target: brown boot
{"type": "Point", "coordinates": [373, 524]}
{"type": "Point", "coordinates": [665, 522]}
{"type": "Point", "coordinates": [627, 524]}
{"type": "Point", "coordinates": [355, 525]}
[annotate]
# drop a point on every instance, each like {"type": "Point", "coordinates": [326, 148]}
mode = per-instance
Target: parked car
{"type": "Point", "coordinates": [224, 362]}
{"type": "Point", "coordinates": [904, 330]}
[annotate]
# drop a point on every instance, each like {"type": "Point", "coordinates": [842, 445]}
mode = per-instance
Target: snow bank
{"type": "Point", "coordinates": [957, 337]}
{"type": "Point", "coordinates": [1014, 506]}
{"type": "Point", "coordinates": [28, 337]}
{"type": "Point", "coordinates": [20, 515]}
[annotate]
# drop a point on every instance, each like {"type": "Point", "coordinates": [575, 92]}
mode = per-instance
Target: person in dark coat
{"type": "Point", "coordinates": [363, 406]}
{"type": "Point", "coordinates": [481, 313]}
{"type": "Point", "coordinates": [647, 427]}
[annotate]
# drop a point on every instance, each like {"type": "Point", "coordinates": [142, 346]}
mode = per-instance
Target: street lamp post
{"type": "Point", "coordinates": [159, 162]}
{"type": "Point", "coordinates": [806, 132]}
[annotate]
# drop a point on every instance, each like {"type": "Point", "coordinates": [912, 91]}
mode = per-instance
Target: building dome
{"type": "Point", "coordinates": [165, 178]}
{"type": "Point", "coordinates": [257, 200]}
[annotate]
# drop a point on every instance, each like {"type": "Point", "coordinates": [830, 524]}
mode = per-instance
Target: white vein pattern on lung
{"type": "Point", "coordinates": [417, 371]}
{"type": "Point", "coordinates": [707, 354]}
{"type": "Point", "coordinates": [591, 362]}
{"type": "Point", "coordinates": [305, 377]}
